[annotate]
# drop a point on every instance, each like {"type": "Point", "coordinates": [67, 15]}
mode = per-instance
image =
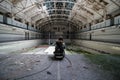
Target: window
{"type": "Point", "coordinates": [67, 12]}
{"type": "Point", "coordinates": [59, 5]}
{"type": "Point", "coordinates": [69, 6]}
{"type": "Point", "coordinates": [55, 28]}
{"type": "Point", "coordinates": [47, 0]}
{"type": "Point", "coordinates": [49, 5]}
{"type": "Point", "coordinates": [53, 16]}
{"type": "Point", "coordinates": [59, 11]}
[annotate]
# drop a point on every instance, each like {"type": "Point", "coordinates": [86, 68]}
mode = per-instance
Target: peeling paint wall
{"type": "Point", "coordinates": [9, 47]}
{"type": "Point", "coordinates": [99, 46]}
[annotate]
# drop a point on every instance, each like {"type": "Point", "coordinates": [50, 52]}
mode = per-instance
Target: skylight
{"type": "Point", "coordinates": [59, 7]}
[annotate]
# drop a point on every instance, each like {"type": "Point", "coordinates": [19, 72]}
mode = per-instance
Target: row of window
{"type": "Point", "coordinates": [59, 16]}
{"type": "Point", "coordinates": [16, 23]}
{"type": "Point", "coordinates": [59, 5]}
{"type": "Point", "coordinates": [60, 0]}
{"type": "Point", "coordinates": [5, 37]}
{"type": "Point", "coordinates": [106, 23]}
{"type": "Point", "coordinates": [58, 12]}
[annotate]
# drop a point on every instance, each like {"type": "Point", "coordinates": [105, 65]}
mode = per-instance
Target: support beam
{"type": "Point", "coordinates": [16, 1]}
{"type": "Point", "coordinates": [115, 3]}
{"type": "Point", "coordinates": [24, 9]}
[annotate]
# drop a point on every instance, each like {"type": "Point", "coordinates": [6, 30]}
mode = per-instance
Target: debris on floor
{"type": "Point", "coordinates": [48, 72]}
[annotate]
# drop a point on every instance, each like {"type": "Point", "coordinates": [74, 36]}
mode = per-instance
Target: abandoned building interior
{"type": "Point", "coordinates": [29, 28]}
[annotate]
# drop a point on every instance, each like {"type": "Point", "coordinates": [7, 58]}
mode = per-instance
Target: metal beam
{"type": "Point", "coordinates": [115, 3]}
{"type": "Point", "coordinates": [49, 22]}
{"type": "Point", "coordinates": [16, 1]}
{"type": "Point", "coordinates": [91, 9]}
{"type": "Point", "coordinates": [57, 20]}
{"type": "Point", "coordinates": [29, 9]}
{"type": "Point", "coordinates": [23, 9]}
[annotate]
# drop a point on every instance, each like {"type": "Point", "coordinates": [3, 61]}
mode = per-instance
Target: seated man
{"type": "Point", "coordinates": [59, 46]}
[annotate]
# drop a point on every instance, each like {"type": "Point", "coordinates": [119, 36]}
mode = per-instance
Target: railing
{"type": "Point", "coordinates": [17, 24]}
{"type": "Point", "coordinates": [106, 23]}
{"type": "Point", "coordinates": [1, 18]}
{"type": "Point", "coordinates": [117, 20]}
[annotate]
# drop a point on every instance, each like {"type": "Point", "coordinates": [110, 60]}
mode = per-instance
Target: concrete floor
{"type": "Point", "coordinates": [38, 64]}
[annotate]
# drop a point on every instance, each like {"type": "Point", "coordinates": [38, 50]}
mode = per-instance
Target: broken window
{"type": "Point", "coordinates": [59, 11]}
{"type": "Point", "coordinates": [67, 12]}
{"type": "Point", "coordinates": [59, 5]}
{"type": "Point", "coordinates": [69, 6]}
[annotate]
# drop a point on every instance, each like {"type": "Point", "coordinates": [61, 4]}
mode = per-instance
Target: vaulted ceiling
{"type": "Point", "coordinates": [79, 12]}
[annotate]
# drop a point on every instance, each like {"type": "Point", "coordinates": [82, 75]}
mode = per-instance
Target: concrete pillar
{"type": "Point", "coordinates": [105, 14]}
{"type": "Point", "coordinates": [23, 21]}
{"type": "Point", "coordinates": [93, 22]}
{"type": "Point", "coordinates": [34, 25]}
{"type": "Point", "coordinates": [5, 18]}
{"type": "Point", "coordinates": [13, 18]}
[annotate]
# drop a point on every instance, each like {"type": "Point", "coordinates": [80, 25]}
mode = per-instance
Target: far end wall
{"type": "Point", "coordinates": [51, 41]}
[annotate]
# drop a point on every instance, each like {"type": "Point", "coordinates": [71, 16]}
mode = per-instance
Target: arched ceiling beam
{"type": "Point", "coordinates": [23, 9]}
{"type": "Point", "coordinates": [83, 7]}
{"type": "Point", "coordinates": [115, 3]}
{"type": "Point", "coordinates": [16, 1]}
{"type": "Point", "coordinates": [57, 20]}
{"type": "Point", "coordinates": [29, 9]}
{"type": "Point", "coordinates": [81, 18]}
{"type": "Point", "coordinates": [42, 21]}
{"type": "Point", "coordinates": [35, 15]}
{"type": "Point", "coordinates": [84, 17]}
{"type": "Point", "coordinates": [45, 25]}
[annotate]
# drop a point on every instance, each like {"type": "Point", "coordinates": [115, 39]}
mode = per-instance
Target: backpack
{"type": "Point", "coordinates": [59, 47]}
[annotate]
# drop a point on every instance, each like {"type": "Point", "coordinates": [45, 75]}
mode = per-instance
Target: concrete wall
{"type": "Point", "coordinates": [15, 39]}
{"type": "Point", "coordinates": [9, 47]}
{"type": "Point", "coordinates": [108, 34]}
{"type": "Point", "coordinates": [99, 46]}
{"type": "Point", "coordinates": [9, 33]}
